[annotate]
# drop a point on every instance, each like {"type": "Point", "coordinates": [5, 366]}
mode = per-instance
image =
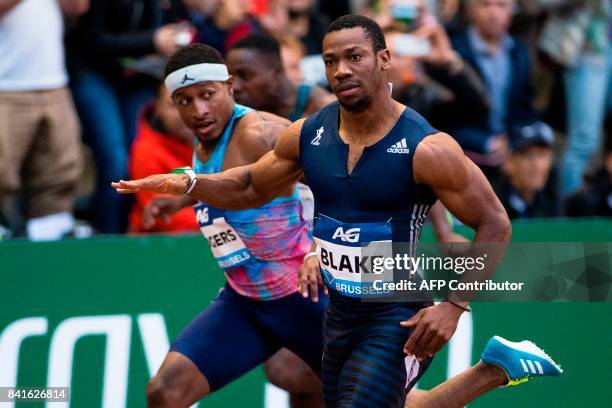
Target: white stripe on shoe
{"type": "Point", "coordinates": [531, 367]}
{"type": "Point", "coordinates": [540, 370]}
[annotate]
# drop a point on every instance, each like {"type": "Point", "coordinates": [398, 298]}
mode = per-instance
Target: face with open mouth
{"type": "Point", "coordinates": [205, 108]}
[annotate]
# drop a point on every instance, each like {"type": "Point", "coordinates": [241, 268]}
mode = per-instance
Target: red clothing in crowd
{"type": "Point", "coordinates": [154, 153]}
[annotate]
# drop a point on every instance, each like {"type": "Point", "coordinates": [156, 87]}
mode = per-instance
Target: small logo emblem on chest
{"type": "Point", "coordinates": [399, 148]}
{"type": "Point", "coordinates": [317, 138]}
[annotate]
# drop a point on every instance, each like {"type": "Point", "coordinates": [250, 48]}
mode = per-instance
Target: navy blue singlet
{"type": "Point", "coordinates": [378, 201]}
{"type": "Point", "coordinates": [364, 365]}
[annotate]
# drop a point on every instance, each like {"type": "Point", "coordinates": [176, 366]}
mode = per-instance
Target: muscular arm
{"type": "Point", "coordinates": [240, 187]}
{"type": "Point", "coordinates": [258, 183]}
{"type": "Point", "coordinates": [440, 163]}
{"type": "Point", "coordinates": [460, 185]}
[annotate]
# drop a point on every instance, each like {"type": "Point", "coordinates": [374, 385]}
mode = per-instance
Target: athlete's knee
{"type": "Point", "coordinates": [178, 383]}
{"type": "Point", "coordinates": [289, 372]}
{"type": "Point", "coordinates": [160, 394]}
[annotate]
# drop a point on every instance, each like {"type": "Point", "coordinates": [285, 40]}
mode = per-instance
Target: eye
{"type": "Point", "coordinates": [207, 94]}
{"type": "Point", "coordinates": [328, 62]}
{"type": "Point", "coordinates": [355, 58]}
{"type": "Point", "coordinates": [183, 101]}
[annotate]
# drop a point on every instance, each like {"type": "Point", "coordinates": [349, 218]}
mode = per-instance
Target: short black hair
{"type": "Point", "coordinates": [370, 27]}
{"type": "Point", "coordinates": [191, 55]}
{"type": "Point", "coordinates": [262, 43]}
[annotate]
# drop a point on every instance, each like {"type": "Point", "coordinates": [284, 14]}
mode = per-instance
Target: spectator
{"type": "Point", "coordinates": [39, 131]}
{"type": "Point", "coordinates": [577, 36]}
{"type": "Point", "coordinates": [594, 199]}
{"type": "Point", "coordinates": [437, 84]}
{"type": "Point", "coordinates": [292, 52]}
{"type": "Point", "coordinates": [260, 81]}
{"type": "Point", "coordinates": [503, 63]}
{"type": "Point", "coordinates": [109, 95]}
{"type": "Point", "coordinates": [163, 142]}
{"type": "Point", "coordinates": [528, 190]}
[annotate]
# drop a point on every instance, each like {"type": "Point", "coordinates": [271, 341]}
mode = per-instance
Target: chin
{"type": "Point", "coordinates": [209, 137]}
{"type": "Point", "coordinates": [357, 105]}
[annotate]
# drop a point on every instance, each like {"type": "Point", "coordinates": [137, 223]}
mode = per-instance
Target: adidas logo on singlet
{"type": "Point", "coordinates": [400, 147]}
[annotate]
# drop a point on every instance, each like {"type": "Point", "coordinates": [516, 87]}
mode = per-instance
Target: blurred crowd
{"type": "Point", "coordinates": [523, 85]}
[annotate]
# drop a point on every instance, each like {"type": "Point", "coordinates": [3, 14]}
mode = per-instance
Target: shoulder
{"type": "Point", "coordinates": [288, 145]}
{"type": "Point", "coordinates": [415, 120]}
{"type": "Point", "coordinates": [439, 160]}
{"type": "Point", "coordinates": [258, 128]}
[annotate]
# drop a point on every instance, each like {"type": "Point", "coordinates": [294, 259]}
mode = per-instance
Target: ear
{"type": "Point", "coordinates": [385, 59]}
{"type": "Point", "coordinates": [230, 85]}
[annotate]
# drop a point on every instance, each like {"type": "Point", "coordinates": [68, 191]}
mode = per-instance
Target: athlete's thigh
{"type": "Point", "coordinates": [339, 336]}
{"type": "Point", "coordinates": [297, 323]}
{"type": "Point", "coordinates": [378, 373]}
{"type": "Point", "coordinates": [223, 341]}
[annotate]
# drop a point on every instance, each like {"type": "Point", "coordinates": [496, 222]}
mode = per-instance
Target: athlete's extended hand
{"type": "Point", "coordinates": [309, 279]}
{"type": "Point", "coordinates": [157, 183]}
{"type": "Point", "coordinates": [433, 328]}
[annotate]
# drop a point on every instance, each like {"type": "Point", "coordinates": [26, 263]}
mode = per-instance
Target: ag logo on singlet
{"type": "Point", "coordinates": [399, 148]}
{"type": "Point", "coordinates": [350, 235]}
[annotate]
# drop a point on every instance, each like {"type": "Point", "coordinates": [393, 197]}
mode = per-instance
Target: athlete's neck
{"type": "Point", "coordinates": [372, 124]}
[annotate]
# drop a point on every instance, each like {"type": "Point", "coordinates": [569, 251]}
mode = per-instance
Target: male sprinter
{"type": "Point", "coordinates": [260, 81]}
{"type": "Point", "coordinates": [260, 251]}
{"type": "Point", "coordinates": [375, 167]}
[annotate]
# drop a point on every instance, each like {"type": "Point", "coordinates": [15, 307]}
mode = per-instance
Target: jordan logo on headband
{"type": "Point", "coordinates": [186, 78]}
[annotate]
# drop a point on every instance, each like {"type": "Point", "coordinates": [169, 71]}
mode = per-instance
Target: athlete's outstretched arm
{"type": "Point", "coordinates": [238, 188]}
{"type": "Point", "coordinates": [460, 185]}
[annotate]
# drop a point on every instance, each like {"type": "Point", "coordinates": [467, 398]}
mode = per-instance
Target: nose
{"type": "Point", "coordinates": [342, 70]}
{"type": "Point", "coordinates": [201, 109]}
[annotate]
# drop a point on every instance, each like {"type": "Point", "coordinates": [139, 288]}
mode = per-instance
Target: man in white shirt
{"type": "Point", "coordinates": [39, 129]}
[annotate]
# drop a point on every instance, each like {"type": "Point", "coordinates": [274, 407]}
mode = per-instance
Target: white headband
{"type": "Point", "coordinates": [194, 74]}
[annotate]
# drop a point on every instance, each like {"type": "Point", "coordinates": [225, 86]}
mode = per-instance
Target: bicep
{"type": "Point", "coordinates": [471, 201]}
{"type": "Point", "coordinates": [457, 182]}
{"type": "Point", "coordinates": [280, 168]}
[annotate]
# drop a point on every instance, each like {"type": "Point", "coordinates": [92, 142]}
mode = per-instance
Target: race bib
{"type": "Point", "coordinates": [227, 247]}
{"type": "Point", "coordinates": [347, 253]}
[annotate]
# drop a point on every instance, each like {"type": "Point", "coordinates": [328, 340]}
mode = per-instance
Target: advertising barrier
{"type": "Point", "coordinates": [98, 316]}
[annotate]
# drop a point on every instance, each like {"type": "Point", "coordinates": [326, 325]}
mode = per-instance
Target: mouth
{"type": "Point", "coordinates": [346, 89]}
{"type": "Point", "coordinates": [204, 126]}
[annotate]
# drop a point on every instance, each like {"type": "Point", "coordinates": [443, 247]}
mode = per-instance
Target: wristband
{"type": "Point", "coordinates": [193, 179]}
{"type": "Point", "coordinates": [464, 308]}
{"type": "Point", "coordinates": [308, 255]}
